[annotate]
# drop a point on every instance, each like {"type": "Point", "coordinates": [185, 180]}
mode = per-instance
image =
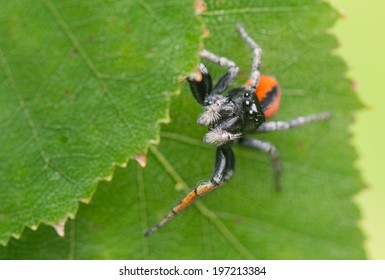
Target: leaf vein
{"type": "Point", "coordinates": [301, 235]}
{"type": "Point", "coordinates": [75, 42]}
{"type": "Point", "coordinates": [67, 31]}
{"type": "Point", "coordinates": [255, 10]}
{"type": "Point", "coordinates": [23, 108]}
{"type": "Point", "coordinates": [143, 207]}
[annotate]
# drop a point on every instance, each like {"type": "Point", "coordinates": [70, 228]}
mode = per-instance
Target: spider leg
{"type": "Point", "coordinates": [227, 78]}
{"type": "Point", "coordinates": [257, 53]}
{"type": "Point", "coordinates": [231, 165]}
{"type": "Point", "coordinates": [299, 121]}
{"type": "Point", "coordinates": [224, 167]}
{"type": "Point", "coordinates": [200, 84]}
{"type": "Point", "coordinates": [270, 149]}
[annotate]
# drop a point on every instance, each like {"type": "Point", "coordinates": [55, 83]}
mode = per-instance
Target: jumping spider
{"type": "Point", "coordinates": [230, 117]}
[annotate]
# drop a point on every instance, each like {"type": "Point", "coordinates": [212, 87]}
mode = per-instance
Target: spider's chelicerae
{"type": "Point", "coordinates": [243, 110]}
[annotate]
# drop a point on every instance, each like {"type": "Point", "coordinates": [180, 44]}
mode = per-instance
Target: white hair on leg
{"type": "Point", "coordinates": [218, 137]}
{"type": "Point", "coordinates": [211, 113]}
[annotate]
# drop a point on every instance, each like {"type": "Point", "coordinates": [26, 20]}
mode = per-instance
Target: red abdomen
{"type": "Point", "coordinates": [269, 95]}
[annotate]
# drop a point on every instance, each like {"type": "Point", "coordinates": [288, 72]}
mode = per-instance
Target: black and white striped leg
{"type": "Point", "coordinates": [224, 167]}
{"type": "Point", "coordinates": [226, 79]}
{"type": "Point", "coordinates": [230, 165]}
{"type": "Point", "coordinates": [257, 53]}
{"type": "Point", "coordinates": [270, 149]}
{"type": "Point", "coordinates": [299, 121]}
{"type": "Point", "coordinates": [200, 84]}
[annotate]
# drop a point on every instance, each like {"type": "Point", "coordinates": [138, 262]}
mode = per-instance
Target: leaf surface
{"type": "Point", "coordinates": [313, 217]}
{"type": "Point", "coordinates": [84, 87]}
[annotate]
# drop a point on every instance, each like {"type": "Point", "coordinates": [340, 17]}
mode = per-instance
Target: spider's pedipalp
{"type": "Point", "coordinates": [218, 137]}
{"type": "Point", "coordinates": [208, 117]}
{"type": "Point", "coordinates": [211, 113]}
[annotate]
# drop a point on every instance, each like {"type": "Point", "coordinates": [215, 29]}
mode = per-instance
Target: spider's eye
{"type": "Point", "coordinates": [250, 114]}
{"type": "Point", "coordinates": [246, 95]}
{"type": "Point", "coordinates": [247, 103]}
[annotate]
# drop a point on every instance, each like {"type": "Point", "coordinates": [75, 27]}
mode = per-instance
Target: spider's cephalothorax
{"type": "Point", "coordinates": [231, 116]}
{"type": "Point", "coordinates": [227, 116]}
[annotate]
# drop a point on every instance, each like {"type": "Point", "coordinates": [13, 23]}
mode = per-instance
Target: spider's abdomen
{"type": "Point", "coordinates": [269, 95]}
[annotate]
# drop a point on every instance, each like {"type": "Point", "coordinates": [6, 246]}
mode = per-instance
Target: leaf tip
{"type": "Point", "coordinates": [85, 200]}
{"type": "Point", "coordinates": [342, 13]}
{"type": "Point", "coordinates": [355, 85]}
{"type": "Point", "coordinates": [200, 7]}
{"type": "Point", "coordinates": [106, 178]}
{"type": "Point", "coordinates": [141, 159]}
{"type": "Point", "coordinates": [34, 227]}
{"type": "Point", "coordinates": [72, 215]}
{"type": "Point", "coordinates": [121, 164]}
{"type": "Point", "coordinates": [16, 235]}
{"type": "Point", "coordinates": [60, 227]}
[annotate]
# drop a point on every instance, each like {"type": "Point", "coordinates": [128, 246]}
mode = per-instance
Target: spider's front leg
{"type": "Point", "coordinates": [201, 84]}
{"type": "Point", "coordinates": [257, 53]}
{"type": "Point", "coordinates": [209, 96]}
{"type": "Point", "coordinates": [227, 78]}
{"type": "Point", "coordinates": [224, 168]}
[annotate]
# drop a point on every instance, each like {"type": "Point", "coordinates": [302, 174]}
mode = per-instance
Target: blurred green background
{"type": "Point", "coordinates": [362, 45]}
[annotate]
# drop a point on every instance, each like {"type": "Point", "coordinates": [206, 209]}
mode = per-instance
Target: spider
{"type": "Point", "coordinates": [243, 110]}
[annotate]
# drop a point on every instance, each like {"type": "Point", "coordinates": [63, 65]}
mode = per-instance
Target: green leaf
{"type": "Point", "coordinates": [84, 87]}
{"type": "Point", "coordinates": [313, 217]}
